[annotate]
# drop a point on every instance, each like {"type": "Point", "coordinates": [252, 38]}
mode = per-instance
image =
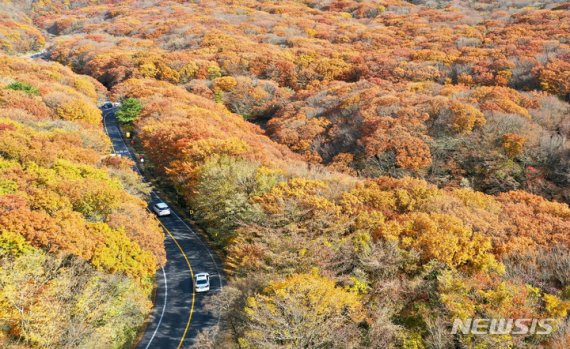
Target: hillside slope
{"type": "Point", "coordinates": [469, 88]}
{"type": "Point", "coordinates": [371, 170]}
{"type": "Point", "coordinates": [78, 250]}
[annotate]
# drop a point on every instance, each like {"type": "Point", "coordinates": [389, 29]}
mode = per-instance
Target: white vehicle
{"type": "Point", "coordinates": [202, 282]}
{"type": "Point", "coordinates": [161, 209]}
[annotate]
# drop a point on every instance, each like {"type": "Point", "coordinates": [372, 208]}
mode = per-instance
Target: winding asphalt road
{"type": "Point", "coordinates": [178, 313]}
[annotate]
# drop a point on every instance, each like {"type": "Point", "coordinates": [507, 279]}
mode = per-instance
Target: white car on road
{"type": "Point", "coordinates": [202, 282]}
{"type": "Point", "coordinates": [161, 209]}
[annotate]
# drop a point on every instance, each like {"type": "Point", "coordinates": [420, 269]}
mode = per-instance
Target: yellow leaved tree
{"type": "Point", "coordinates": [302, 311]}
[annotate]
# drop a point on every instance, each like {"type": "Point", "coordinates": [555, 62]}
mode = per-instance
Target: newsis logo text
{"type": "Point", "coordinates": [503, 326]}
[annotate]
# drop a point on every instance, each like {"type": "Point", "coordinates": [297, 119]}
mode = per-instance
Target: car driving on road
{"type": "Point", "coordinates": [202, 282]}
{"type": "Point", "coordinates": [161, 209]}
{"type": "Point", "coordinates": [110, 105]}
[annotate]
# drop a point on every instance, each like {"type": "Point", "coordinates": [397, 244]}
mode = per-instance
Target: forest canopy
{"type": "Point", "coordinates": [370, 170]}
{"type": "Point", "coordinates": [76, 241]}
{"type": "Point", "coordinates": [335, 80]}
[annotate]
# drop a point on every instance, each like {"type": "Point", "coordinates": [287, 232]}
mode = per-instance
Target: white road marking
{"type": "Point", "coordinates": [163, 309]}
{"type": "Point", "coordinates": [163, 272]}
{"type": "Point", "coordinates": [218, 274]}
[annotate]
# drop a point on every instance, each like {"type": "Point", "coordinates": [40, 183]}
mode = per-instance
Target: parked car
{"type": "Point", "coordinates": [161, 209]}
{"type": "Point", "coordinates": [107, 106]}
{"type": "Point", "coordinates": [202, 282]}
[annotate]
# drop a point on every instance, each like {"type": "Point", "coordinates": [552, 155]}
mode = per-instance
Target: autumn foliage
{"type": "Point", "coordinates": [73, 225]}
{"type": "Point", "coordinates": [370, 170]}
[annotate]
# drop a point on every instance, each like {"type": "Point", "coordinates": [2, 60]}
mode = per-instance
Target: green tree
{"type": "Point", "coordinates": [129, 111]}
{"type": "Point", "coordinates": [223, 193]}
{"type": "Point", "coordinates": [23, 86]}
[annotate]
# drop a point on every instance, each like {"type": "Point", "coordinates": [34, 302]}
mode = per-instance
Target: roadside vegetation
{"type": "Point", "coordinates": [78, 250]}
{"type": "Point", "coordinates": [371, 170]}
{"type": "Point", "coordinates": [129, 110]}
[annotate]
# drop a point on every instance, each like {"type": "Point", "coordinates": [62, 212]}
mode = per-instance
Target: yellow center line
{"type": "Point", "coordinates": [181, 251]}
{"type": "Point", "coordinates": [193, 290]}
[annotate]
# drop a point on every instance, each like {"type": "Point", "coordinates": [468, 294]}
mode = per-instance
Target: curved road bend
{"type": "Point", "coordinates": [178, 313]}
